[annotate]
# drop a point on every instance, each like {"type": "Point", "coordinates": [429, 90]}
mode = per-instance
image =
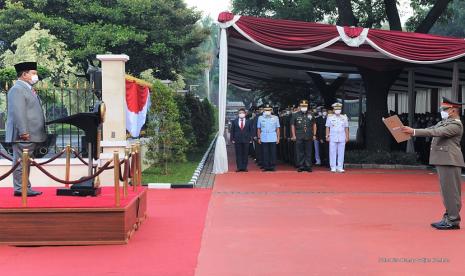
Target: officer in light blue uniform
{"type": "Point", "coordinates": [268, 137]}
{"type": "Point", "coordinates": [337, 133]}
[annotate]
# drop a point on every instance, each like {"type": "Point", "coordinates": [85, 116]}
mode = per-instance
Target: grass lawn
{"type": "Point", "coordinates": [179, 173]}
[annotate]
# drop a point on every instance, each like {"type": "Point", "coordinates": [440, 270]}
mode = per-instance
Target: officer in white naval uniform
{"type": "Point", "coordinates": [337, 133]}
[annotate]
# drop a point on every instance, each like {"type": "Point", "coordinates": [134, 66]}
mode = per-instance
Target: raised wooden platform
{"type": "Point", "coordinates": [39, 226]}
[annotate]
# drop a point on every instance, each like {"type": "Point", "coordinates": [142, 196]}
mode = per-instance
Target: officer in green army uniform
{"type": "Point", "coordinates": [303, 129]}
{"type": "Point", "coordinates": [447, 156]}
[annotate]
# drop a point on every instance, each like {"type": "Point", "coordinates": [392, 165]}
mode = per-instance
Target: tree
{"type": "Point", "coordinates": [369, 13]}
{"type": "Point", "coordinates": [249, 98]}
{"type": "Point", "coordinates": [201, 118]}
{"type": "Point", "coordinates": [453, 26]}
{"type": "Point", "coordinates": [209, 113]}
{"type": "Point", "coordinates": [202, 59]}
{"type": "Point", "coordinates": [39, 45]}
{"type": "Point", "coordinates": [156, 34]}
{"type": "Point", "coordinates": [328, 91]}
{"type": "Point", "coordinates": [185, 121]}
{"type": "Point", "coordinates": [166, 138]}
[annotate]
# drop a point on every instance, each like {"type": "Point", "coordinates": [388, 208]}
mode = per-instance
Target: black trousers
{"type": "Point", "coordinates": [258, 153]}
{"type": "Point", "coordinates": [269, 155]}
{"type": "Point", "coordinates": [251, 150]}
{"type": "Point", "coordinates": [324, 151]}
{"type": "Point", "coordinates": [284, 143]}
{"type": "Point", "coordinates": [242, 155]}
{"type": "Point", "coordinates": [304, 150]}
{"type": "Point", "coordinates": [292, 157]}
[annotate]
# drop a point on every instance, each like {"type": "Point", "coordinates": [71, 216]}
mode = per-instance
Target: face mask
{"type": "Point", "coordinates": [241, 115]}
{"type": "Point", "coordinates": [444, 115]}
{"type": "Point", "coordinates": [337, 112]}
{"type": "Point", "coordinates": [325, 113]}
{"type": "Point", "coordinates": [319, 113]}
{"type": "Point", "coordinates": [267, 113]}
{"type": "Point", "coordinates": [34, 79]}
{"type": "Point", "coordinates": [309, 116]}
{"type": "Point", "coordinates": [303, 109]}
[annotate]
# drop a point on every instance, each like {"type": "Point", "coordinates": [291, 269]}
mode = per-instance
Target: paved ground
{"type": "Point", "coordinates": [364, 222]}
{"type": "Point", "coordinates": [207, 178]}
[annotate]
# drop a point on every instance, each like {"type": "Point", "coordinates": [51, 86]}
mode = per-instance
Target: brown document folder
{"type": "Point", "coordinates": [394, 125]}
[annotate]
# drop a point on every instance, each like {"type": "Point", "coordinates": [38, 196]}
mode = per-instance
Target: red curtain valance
{"type": "Point", "coordinates": [287, 35]}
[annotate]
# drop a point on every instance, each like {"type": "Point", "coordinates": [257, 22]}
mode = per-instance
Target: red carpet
{"type": "Point", "coordinates": [364, 222]}
{"type": "Point", "coordinates": [49, 199]}
{"type": "Point", "coordinates": [166, 244]}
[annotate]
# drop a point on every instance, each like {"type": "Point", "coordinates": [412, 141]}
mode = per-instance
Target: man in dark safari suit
{"type": "Point", "coordinates": [447, 156]}
{"type": "Point", "coordinates": [25, 127]}
{"type": "Point", "coordinates": [241, 137]}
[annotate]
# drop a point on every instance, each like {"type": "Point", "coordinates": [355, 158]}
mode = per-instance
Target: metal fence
{"type": "Point", "coordinates": [57, 102]}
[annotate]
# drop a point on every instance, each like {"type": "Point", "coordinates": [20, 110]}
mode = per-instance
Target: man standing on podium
{"type": "Point", "coordinates": [447, 156]}
{"type": "Point", "coordinates": [26, 122]}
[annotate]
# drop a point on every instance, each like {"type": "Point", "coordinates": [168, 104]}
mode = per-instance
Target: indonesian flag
{"type": "Point", "coordinates": [138, 102]}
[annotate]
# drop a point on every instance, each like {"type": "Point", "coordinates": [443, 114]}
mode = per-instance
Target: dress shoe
{"type": "Point", "coordinates": [434, 224]}
{"type": "Point", "coordinates": [238, 170]}
{"type": "Point", "coordinates": [442, 225]}
{"type": "Point", "coordinates": [29, 193]}
{"type": "Point", "coordinates": [309, 170]}
{"type": "Point", "coordinates": [300, 169]}
{"type": "Point", "coordinates": [245, 170]}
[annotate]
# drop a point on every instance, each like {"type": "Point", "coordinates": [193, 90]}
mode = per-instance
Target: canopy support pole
{"type": "Point", "coordinates": [360, 104]}
{"type": "Point", "coordinates": [434, 100]}
{"type": "Point", "coordinates": [455, 82]}
{"type": "Point", "coordinates": [411, 106]}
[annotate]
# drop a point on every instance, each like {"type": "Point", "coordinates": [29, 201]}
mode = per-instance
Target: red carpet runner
{"type": "Point", "coordinates": [167, 244]}
{"type": "Point", "coordinates": [364, 222]}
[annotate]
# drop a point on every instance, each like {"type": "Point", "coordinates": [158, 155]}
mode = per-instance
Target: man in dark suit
{"type": "Point", "coordinates": [26, 122]}
{"type": "Point", "coordinates": [241, 137]}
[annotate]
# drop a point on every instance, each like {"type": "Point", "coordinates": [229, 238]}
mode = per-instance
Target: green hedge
{"type": "Point", "coordinates": [202, 118]}
{"type": "Point", "coordinates": [381, 157]}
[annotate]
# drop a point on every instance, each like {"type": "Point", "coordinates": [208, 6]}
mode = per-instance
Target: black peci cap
{"type": "Point", "coordinates": [25, 66]}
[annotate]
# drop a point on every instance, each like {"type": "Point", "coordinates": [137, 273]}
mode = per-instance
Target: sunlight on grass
{"type": "Point", "coordinates": [179, 173]}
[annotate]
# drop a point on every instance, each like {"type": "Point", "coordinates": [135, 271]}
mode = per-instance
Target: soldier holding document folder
{"type": "Point", "coordinates": [447, 156]}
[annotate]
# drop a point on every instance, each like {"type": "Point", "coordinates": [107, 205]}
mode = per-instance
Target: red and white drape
{"type": "Point", "coordinates": [137, 105]}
